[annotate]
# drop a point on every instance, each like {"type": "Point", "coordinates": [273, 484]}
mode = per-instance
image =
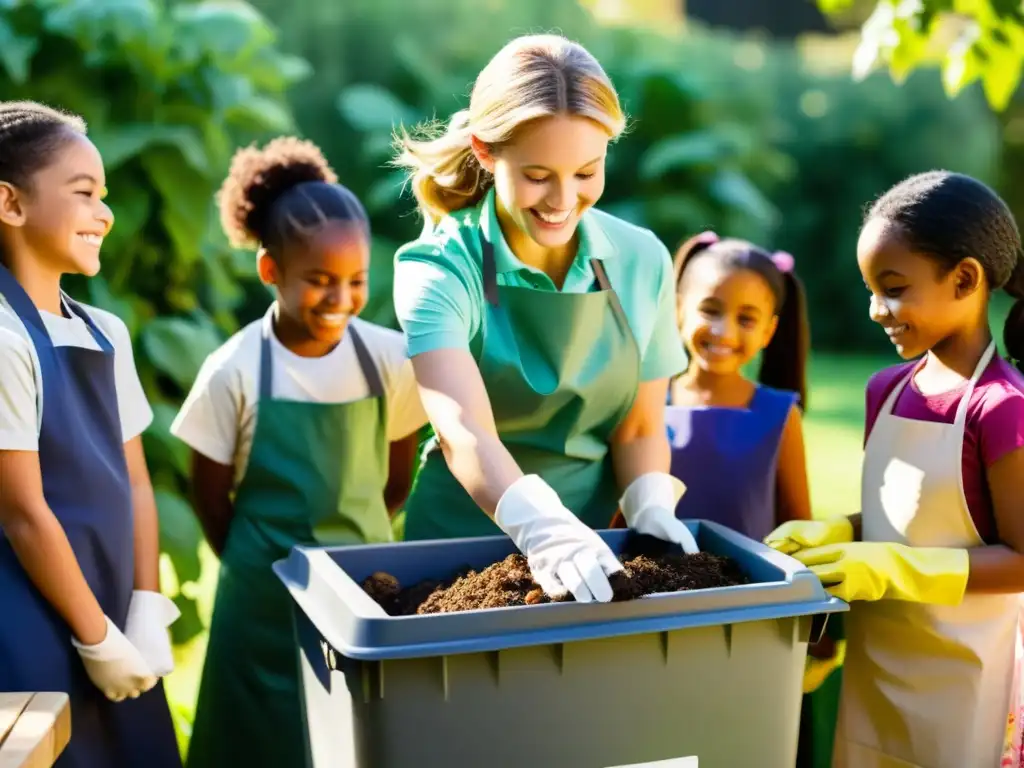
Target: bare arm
{"type": "Point", "coordinates": [457, 405]}
{"type": "Point", "coordinates": [1000, 568]}
{"type": "Point", "coordinates": [640, 443]}
{"type": "Point", "coordinates": [211, 494]}
{"type": "Point", "coordinates": [401, 461]}
{"type": "Point", "coordinates": [147, 525]}
{"type": "Point", "coordinates": [794, 498]}
{"type": "Point", "coordinates": [42, 546]}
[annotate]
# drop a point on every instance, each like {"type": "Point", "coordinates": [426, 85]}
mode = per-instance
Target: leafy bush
{"type": "Point", "coordinates": [168, 93]}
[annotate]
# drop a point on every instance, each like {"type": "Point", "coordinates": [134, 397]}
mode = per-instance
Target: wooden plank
{"type": "Point", "coordinates": [11, 707]}
{"type": "Point", "coordinates": [40, 734]}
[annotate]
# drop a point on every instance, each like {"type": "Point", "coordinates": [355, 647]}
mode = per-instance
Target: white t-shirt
{"type": "Point", "coordinates": [21, 381]}
{"type": "Point", "coordinates": [218, 418]}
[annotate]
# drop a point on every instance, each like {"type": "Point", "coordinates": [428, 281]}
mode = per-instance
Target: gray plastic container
{"type": "Point", "coordinates": [713, 674]}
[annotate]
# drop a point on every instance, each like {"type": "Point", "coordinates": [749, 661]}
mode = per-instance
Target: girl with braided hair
{"type": "Point", "coordinates": [303, 428]}
{"type": "Point", "coordinates": [934, 563]}
{"type": "Point", "coordinates": [79, 578]}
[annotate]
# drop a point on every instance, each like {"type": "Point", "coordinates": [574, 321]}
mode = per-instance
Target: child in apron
{"type": "Point", "coordinates": [303, 427]}
{"type": "Point", "coordinates": [932, 565]}
{"type": "Point", "coordinates": [79, 580]}
{"type": "Point", "coordinates": [737, 445]}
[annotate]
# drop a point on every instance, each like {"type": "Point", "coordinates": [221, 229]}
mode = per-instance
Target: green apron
{"type": "Point", "coordinates": [316, 475]}
{"type": "Point", "coordinates": [561, 371]}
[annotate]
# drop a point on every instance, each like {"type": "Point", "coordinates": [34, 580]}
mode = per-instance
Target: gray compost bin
{"type": "Point", "coordinates": [713, 674]}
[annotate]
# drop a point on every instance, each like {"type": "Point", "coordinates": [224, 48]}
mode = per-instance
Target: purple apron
{"type": "Point", "coordinates": [727, 459]}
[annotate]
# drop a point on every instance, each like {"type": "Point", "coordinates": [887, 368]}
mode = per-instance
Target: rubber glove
{"type": "Point", "coordinates": [877, 570]}
{"type": "Point", "coordinates": [802, 534]}
{"type": "Point", "coordinates": [817, 671]}
{"type": "Point", "coordinates": [149, 616]}
{"type": "Point", "coordinates": [115, 666]}
{"type": "Point", "coordinates": [563, 553]}
{"type": "Point", "coordinates": [649, 506]}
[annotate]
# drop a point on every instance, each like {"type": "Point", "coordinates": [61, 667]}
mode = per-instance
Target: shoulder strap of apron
{"type": "Point", "coordinates": [366, 364]}
{"type": "Point", "coordinates": [75, 308]}
{"type": "Point", "coordinates": [986, 358]}
{"type": "Point", "coordinates": [20, 302]}
{"type": "Point", "coordinates": [490, 280]}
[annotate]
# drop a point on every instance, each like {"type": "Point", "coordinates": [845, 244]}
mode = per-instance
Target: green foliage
{"type": "Point", "coordinates": [972, 40]}
{"type": "Point", "coordinates": [168, 92]}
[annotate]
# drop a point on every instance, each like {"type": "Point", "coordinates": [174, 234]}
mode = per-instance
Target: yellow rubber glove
{"type": "Point", "coordinates": [875, 570]}
{"type": "Point", "coordinates": [802, 534]}
{"type": "Point", "coordinates": [816, 671]}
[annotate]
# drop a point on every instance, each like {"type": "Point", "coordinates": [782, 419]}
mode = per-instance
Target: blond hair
{"type": "Point", "coordinates": [531, 77]}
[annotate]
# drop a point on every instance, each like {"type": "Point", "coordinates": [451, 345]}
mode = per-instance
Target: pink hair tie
{"type": "Point", "coordinates": [707, 238]}
{"type": "Point", "coordinates": [784, 261]}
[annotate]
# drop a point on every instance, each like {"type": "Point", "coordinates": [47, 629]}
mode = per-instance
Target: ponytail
{"type": "Point", "coordinates": [443, 171]}
{"type": "Point", "coordinates": [1013, 329]}
{"type": "Point", "coordinates": [784, 360]}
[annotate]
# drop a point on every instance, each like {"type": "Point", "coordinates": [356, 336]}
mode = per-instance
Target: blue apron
{"type": "Point", "coordinates": [85, 482]}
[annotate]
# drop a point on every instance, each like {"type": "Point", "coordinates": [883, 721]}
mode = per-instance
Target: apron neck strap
{"type": "Point", "coordinates": [366, 365]}
{"type": "Point", "coordinates": [490, 273]}
{"type": "Point", "coordinates": [20, 302]}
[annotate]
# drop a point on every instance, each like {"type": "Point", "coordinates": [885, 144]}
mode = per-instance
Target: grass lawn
{"type": "Point", "coordinates": [833, 435]}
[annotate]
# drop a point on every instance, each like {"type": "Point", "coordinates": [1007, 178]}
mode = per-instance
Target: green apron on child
{"type": "Point", "coordinates": [316, 474]}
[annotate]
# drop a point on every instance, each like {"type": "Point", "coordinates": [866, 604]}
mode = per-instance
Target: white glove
{"type": "Point", "coordinates": [563, 553]}
{"type": "Point", "coordinates": [149, 616]}
{"type": "Point", "coordinates": [115, 666]}
{"type": "Point", "coordinates": [649, 506]}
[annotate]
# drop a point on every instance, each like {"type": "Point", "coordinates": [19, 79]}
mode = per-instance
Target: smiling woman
{"type": "Point", "coordinates": [541, 329]}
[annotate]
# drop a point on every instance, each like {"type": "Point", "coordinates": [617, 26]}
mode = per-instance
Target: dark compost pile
{"type": "Point", "coordinates": [651, 566]}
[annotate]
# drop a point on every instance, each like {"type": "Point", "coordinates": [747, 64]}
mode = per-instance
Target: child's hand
{"type": "Point", "coordinates": [149, 616]}
{"type": "Point", "coordinates": [115, 666]}
{"type": "Point", "coordinates": [795, 535]}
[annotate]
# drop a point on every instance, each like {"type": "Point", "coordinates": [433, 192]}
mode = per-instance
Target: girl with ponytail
{"type": "Point", "coordinates": [934, 562]}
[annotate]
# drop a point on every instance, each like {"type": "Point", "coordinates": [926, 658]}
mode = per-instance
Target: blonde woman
{"type": "Point", "coordinates": [541, 330]}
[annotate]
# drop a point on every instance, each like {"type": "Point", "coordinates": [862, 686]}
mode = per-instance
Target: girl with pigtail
{"type": "Point", "coordinates": [933, 564]}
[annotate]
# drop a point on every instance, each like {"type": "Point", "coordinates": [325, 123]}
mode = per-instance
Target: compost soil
{"type": "Point", "coordinates": [650, 566]}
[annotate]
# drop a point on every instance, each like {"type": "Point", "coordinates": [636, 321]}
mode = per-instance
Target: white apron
{"type": "Point", "coordinates": [927, 686]}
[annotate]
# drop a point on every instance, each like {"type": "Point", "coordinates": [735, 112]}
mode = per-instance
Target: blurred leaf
{"type": "Point", "coordinates": [180, 534]}
{"type": "Point", "coordinates": [118, 144]}
{"type": "Point", "coordinates": [101, 296]}
{"type": "Point", "coordinates": [164, 447]}
{"type": "Point", "coordinates": [229, 31]}
{"type": "Point", "coordinates": [178, 347]}
{"type": "Point", "coordinates": [16, 52]}
{"type": "Point", "coordinates": [735, 190]}
{"type": "Point", "coordinates": [262, 114]}
{"type": "Point", "coordinates": [371, 108]}
{"type": "Point", "coordinates": [669, 154]}
{"type": "Point", "coordinates": [189, 625]}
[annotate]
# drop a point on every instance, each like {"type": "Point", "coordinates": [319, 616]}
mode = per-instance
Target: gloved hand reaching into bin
{"type": "Point", "coordinates": [563, 553]}
{"type": "Point", "coordinates": [649, 506]}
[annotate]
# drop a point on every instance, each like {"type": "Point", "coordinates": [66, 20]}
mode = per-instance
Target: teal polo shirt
{"type": "Point", "coordinates": [438, 283]}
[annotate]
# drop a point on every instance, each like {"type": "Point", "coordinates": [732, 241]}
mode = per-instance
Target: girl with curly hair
{"type": "Point", "coordinates": [303, 427]}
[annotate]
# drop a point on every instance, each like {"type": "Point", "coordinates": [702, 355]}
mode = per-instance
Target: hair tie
{"type": "Point", "coordinates": [707, 238]}
{"type": "Point", "coordinates": [783, 261]}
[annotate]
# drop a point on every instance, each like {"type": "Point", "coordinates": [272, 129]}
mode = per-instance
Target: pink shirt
{"type": "Point", "coordinates": [995, 424]}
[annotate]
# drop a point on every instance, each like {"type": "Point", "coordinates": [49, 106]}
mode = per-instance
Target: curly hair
{"type": "Point", "coordinates": [282, 192]}
{"type": "Point", "coordinates": [30, 133]}
{"type": "Point", "coordinates": [950, 217]}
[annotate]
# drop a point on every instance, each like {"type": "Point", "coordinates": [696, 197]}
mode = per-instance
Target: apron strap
{"type": "Point", "coordinates": [77, 309]}
{"type": "Point", "coordinates": [21, 303]}
{"type": "Point", "coordinates": [490, 280]}
{"type": "Point", "coordinates": [986, 358]}
{"type": "Point", "coordinates": [366, 364]}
